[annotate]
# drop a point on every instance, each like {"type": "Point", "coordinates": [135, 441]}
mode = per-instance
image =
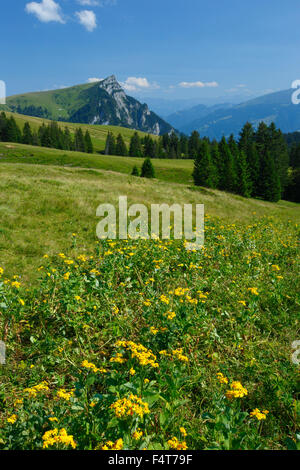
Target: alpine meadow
{"type": "Point", "coordinates": [148, 342]}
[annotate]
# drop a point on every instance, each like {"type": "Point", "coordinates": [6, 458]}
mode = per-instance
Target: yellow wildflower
{"type": "Point", "coordinates": [260, 415]}
{"type": "Point", "coordinates": [174, 443]}
{"type": "Point", "coordinates": [130, 406]}
{"type": "Point", "coordinates": [236, 391]}
{"type": "Point", "coordinates": [55, 436]}
{"type": "Point", "coordinates": [12, 419]}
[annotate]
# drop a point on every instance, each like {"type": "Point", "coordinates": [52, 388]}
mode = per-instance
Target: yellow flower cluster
{"type": "Point", "coordinates": [55, 436]}
{"type": "Point", "coordinates": [144, 355]}
{"type": "Point", "coordinates": [179, 292]}
{"type": "Point", "coordinates": [118, 358]}
{"type": "Point", "coordinates": [256, 413]}
{"type": "Point", "coordinates": [12, 419]}
{"type": "Point", "coordinates": [236, 391]}
{"type": "Point", "coordinates": [174, 443]}
{"type": "Point", "coordinates": [275, 267]}
{"type": "Point", "coordinates": [90, 365]}
{"type": "Point", "coordinates": [164, 299]}
{"type": "Point", "coordinates": [118, 445]}
{"type": "Point", "coordinates": [170, 315]}
{"type": "Point", "coordinates": [33, 391]}
{"type": "Point", "coordinates": [176, 353]}
{"type": "Point", "coordinates": [221, 378]}
{"type": "Point", "coordinates": [137, 434]}
{"type": "Point", "coordinates": [16, 284]}
{"type": "Point", "coordinates": [62, 393]}
{"type": "Point", "coordinates": [129, 406]}
{"type": "Point", "coordinates": [253, 290]}
{"type": "Point", "coordinates": [154, 330]}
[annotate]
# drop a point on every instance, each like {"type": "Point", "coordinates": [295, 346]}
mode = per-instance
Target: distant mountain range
{"type": "Point", "coordinates": [103, 102]}
{"type": "Point", "coordinates": [216, 121]}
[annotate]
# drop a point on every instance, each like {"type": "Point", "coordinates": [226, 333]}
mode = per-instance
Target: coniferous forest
{"type": "Point", "coordinates": [50, 135]}
{"type": "Point", "coordinates": [262, 163]}
{"type": "Point", "coordinates": [258, 164]}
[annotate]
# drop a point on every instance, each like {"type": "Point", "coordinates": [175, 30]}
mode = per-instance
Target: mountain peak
{"type": "Point", "coordinates": [103, 103]}
{"type": "Point", "coordinates": [111, 85]}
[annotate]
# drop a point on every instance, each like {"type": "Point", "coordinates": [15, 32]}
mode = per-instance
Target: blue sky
{"type": "Point", "coordinates": [157, 48]}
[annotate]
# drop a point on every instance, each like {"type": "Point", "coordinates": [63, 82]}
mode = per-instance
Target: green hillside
{"type": "Point", "coordinates": [178, 171]}
{"type": "Point", "coordinates": [55, 194]}
{"type": "Point", "coordinates": [59, 103]}
{"type": "Point", "coordinates": [98, 133]}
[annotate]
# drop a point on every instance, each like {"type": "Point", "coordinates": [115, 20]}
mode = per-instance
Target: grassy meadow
{"type": "Point", "coordinates": [140, 344]}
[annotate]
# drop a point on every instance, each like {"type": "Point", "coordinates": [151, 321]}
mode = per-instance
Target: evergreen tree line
{"type": "Point", "coordinates": [256, 165]}
{"type": "Point", "coordinates": [165, 146]}
{"type": "Point", "coordinates": [50, 135]}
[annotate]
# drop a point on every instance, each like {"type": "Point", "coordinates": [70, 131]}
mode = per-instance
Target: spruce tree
{"type": "Point", "coordinates": [135, 148]}
{"type": "Point", "coordinates": [110, 146]}
{"type": "Point", "coordinates": [279, 151]}
{"type": "Point", "coordinates": [3, 127]}
{"type": "Point", "coordinates": [243, 180]}
{"type": "Point", "coordinates": [194, 144]}
{"type": "Point", "coordinates": [295, 156]}
{"type": "Point", "coordinates": [68, 139]}
{"type": "Point", "coordinates": [253, 162]}
{"type": "Point", "coordinates": [27, 137]}
{"type": "Point", "coordinates": [204, 170]}
{"type": "Point", "coordinates": [88, 143]}
{"type": "Point", "coordinates": [135, 171]}
{"type": "Point", "coordinates": [234, 149]}
{"type": "Point", "coordinates": [184, 146]}
{"type": "Point", "coordinates": [79, 140]}
{"type": "Point", "coordinates": [215, 156]}
{"type": "Point", "coordinates": [246, 138]}
{"type": "Point", "coordinates": [147, 169]}
{"type": "Point", "coordinates": [149, 147]}
{"type": "Point", "coordinates": [228, 176]}
{"type": "Point", "coordinates": [270, 189]}
{"type": "Point", "coordinates": [121, 149]}
{"type": "Point", "coordinates": [13, 132]}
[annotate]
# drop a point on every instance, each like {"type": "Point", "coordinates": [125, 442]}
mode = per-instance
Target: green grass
{"type": "Point", "coordinates": [42, 205]}
{"type": "Point", "coordinates": [58, 102]}
{"type": "Point", "coordinates": [179, 171]}
{"type": "Point", "coordinates": [232, 308]}
{"type": "Point", "coordinates": [66, 297]}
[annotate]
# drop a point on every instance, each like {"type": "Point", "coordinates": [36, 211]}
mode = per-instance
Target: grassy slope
{"type": "Point", "coordinates": [41, 206]}
{"type": "Point", "coordinates": [59, 102]}
{"type": "Point", "coordinates": [178, 171]}
{"type": "Point", "coordinates": [98, 133]}
{"type": "Point", "coordinates": [77, 314]}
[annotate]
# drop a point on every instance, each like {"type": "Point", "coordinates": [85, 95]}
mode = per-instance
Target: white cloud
{"type": "Point", "coordinates": [46, 11]}
{"type": "Point", "coordinates": [198, 84]}
{"type": "Point", "coordinates": [91, 3]}
{"type": "Point", "coordinates": [94, 80]}
{"type": "Point", "coordinates": [96, 3]}
{"type": "Point", "coordinates": [88, 19]}
{"type": "Point", "coordinates": [138, 83]}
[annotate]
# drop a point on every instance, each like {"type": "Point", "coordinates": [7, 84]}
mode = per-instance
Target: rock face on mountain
{"type": "Point", "coordinates": [104, 102]}
{"type": "Point", "coordinates": [107, 103]}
